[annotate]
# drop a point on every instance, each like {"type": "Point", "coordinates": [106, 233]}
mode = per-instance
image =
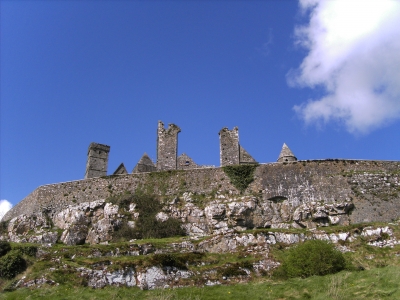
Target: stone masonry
{"type": "Point", "coordinates": [286, 154]}
{"type": "Point", "coordinates": [121, 170]}
{"type": "Point", "coordinates": [229, 146]}
{"type": "Point", "coordinates": [373, 187]}
{"type": "Point", "coordinates": [97, 161]}
{"type": "Point", "coordinates": [145, 164]}
{"type": "Point", "coordinates": [185, 162]}
{"type": "Point", "coordinates": [167, 146]}
{"type": "Point", "coordinates": [231, 153]}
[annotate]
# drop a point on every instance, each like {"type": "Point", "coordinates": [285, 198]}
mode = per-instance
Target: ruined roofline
{"type": "Point", "coordinates": [97, 146]}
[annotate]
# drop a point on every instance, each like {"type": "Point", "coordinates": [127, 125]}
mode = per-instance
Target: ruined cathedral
{"type": "Point", "coordinates": [231, 153]}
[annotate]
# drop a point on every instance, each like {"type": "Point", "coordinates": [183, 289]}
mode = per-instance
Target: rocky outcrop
{"type": "Point", "coordinates": [372, 186]}
{"type": "Point", "coordinates": [95, 222]}
{"type": "Point", "coordinates": [31, 229]}
{"type": "Point", "coordinates": [151, 273]}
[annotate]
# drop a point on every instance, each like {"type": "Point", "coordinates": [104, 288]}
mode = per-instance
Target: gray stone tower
{"type": "Point", "coordinates": [229, 146]}
{"type": "Point", "coordinates": [97, 161]}
{"type": "Point", "coordinates": [286, 154]}
{"type": "Point", "coordinates": [167, 146]}
{"type": "Point", "coordinates": [231, 153]}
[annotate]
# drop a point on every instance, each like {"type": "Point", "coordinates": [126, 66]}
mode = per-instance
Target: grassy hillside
{"type": "Point", "coordinates": [371, 272]}
{"type": "Point", "coordinates": [377, 283]}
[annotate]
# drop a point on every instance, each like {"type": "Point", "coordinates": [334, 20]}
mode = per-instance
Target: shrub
{"type": "Point", "coordinates": [236, 269]}
{"type": "Point", "coordinates": [240, 175]}
{"type": "Point", "coordinates": [11, 264]}
{"type": "Point", "coordinates": [124, 233]}
{"type": "Point", "coordinates": [4, 247]}
{"type": "Point", "coordinates": [4, 227]}
{"type": "Point", "coordinates": [151, 228]}
{"type": "Point", "coordinates": [147, 226]}
{"type": "Point", "coordinates": [313, 257]}
{"type": "Point", "coordinates": [178, 260]}
{"type": "Point", "coordinates": [29, 250]}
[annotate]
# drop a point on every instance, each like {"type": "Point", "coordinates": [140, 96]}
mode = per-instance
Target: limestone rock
{"type": "Point", "coordinates": [74, 235]}
{"type": "Point", "coordinates": [31, 229]}
{"type": "Point", "coordinates": [110, 210]}
{"type": "Point", "coordinates": [162, 217]}
{"type": "Point", "coordinates": [152, 278]}
{"type": "Point", "coordinates": [100, 232]}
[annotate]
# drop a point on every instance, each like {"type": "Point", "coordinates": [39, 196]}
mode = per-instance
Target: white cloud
{"type": "Point", "coordinates": [354, 54]}
{"type": "Point", "coordinates": [5, 206]}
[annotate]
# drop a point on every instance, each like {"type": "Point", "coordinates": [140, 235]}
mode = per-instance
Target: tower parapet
{"type": "Point", "coordinates": [97, 161]}
{"type": "Point", "coordinates": [167, 146]}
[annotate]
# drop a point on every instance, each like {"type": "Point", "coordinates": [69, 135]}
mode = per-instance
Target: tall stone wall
{"type": "Point", "coordinates": [229, 146]}
{"type": "Point", "coordinates": [167, 146]}
{"type": "Point", "coordinates": [372, 186]}
{"type": "Point", "coordinates": [231, 152]}
{"type": "Point", "coordinates": [97, 161]}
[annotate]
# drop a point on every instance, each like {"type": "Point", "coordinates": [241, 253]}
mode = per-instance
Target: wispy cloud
{"type": "Point", "coordinates": [354, 54]}
{"type": "Point", "coordinates": [265, 49]}
{"type": "Point", "coordinates": [5, 206]}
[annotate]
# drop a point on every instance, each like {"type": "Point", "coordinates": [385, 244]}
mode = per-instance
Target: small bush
{"type": "Point", "coordinates": [240, 175]}
{"type": "Point", "coordinates": [29, 250]}
{"type": "Point", "coordinates": [235, 269]}
{"type": "Point", "coordinates": [11, 264]}
{"type": "Point", "coordinates": [4, 227]}
{"type": "Point", "coordinates": [124, 233]}
{"type": "Point", "coordinates": [313, 257]}
{"type": "Point", "coordinates": [4, 247]}
{"type": "Point", "coordinates": [147, 226]}
{"type": "Point", "coordinates": [177, 260]}
{"type": "Point", "coordinates": [151, 228]}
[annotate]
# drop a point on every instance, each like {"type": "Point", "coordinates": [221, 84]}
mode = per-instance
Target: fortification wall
{"type": "Point", "coordinates": [372, 186]}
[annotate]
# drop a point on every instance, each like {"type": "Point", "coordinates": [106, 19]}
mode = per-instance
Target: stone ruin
{"type": "Point", "coordinates": [286, 154]}
{"type": "Point", "coordinates": [167, 146]}
{"type": "Point", "coordinates": [97, 160]}
{"type": "Point", "coordinates": [231, 153]}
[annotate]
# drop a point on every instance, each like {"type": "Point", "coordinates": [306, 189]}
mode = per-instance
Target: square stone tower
{"type": "Point", "coordinates": [97, 161]}
{"type": "Point", "coordinates": [229, 146]}
{"type": "Point", "coordinates": [167, 146]}
{"type": "Point", "coordinates": [231, 152]}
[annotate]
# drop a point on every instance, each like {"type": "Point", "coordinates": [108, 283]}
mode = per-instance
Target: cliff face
{"type": "Point", "coordinates": [292, 193]}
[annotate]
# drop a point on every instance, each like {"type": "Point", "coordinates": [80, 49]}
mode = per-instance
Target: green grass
{"type": "Point", "coordinates": [379, 278]}
{"type": "Point", "coordinates": [379, 283]}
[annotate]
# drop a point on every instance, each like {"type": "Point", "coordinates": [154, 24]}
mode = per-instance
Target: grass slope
{"type": "Point", "coordinates": [378, 283]}
{"type": "Point", "coordinates": [373, 273]}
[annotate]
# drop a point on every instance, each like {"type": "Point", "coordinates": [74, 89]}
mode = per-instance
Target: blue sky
{"type": "Point", "coordinates": [75, 72]}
